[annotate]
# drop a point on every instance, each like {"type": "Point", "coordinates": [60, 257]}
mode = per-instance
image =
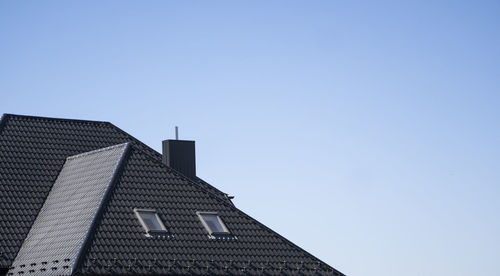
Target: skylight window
{"type": "Point", "coordinates": [213, 223]}
{"type": "Point", "coordinates": [150, 220]}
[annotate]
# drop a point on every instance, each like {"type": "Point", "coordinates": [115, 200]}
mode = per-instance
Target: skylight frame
{"type": "Point", "coordinates": [207, 227]}
{"type": "Point", "coordinates": [138, 212]}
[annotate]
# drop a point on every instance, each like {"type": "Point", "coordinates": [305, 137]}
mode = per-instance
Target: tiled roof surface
{"type": "Point", "coordinates": [120, 246]}
{"type": "Point", "coordinates": [32, 152]}
{"type": "Point", "coordinates": [68, 214]}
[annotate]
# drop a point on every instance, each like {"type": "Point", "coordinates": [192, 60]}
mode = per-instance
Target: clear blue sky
{"type": "Point", "coordinates": [368, 133]}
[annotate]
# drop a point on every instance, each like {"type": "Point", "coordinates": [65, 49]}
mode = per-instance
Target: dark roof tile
{"type": "Point", "coordinates": [32, 152]}
{"type": "Point", "coordinates": [121, 243]}
{"type": "Point", "coordinates": [66, 218]}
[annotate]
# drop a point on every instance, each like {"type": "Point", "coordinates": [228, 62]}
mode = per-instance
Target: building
{"type": "Point", "coordinates": [85, 198]}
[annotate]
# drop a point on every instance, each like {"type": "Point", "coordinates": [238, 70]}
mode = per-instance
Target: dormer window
{"type": "Point", "coordinates": [150, 220]}
{"type": "Point", "coordinates": [213, 223]}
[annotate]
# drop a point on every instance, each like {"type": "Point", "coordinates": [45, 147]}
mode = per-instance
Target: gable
{"type": "Point", "coordinates": [62, 227]}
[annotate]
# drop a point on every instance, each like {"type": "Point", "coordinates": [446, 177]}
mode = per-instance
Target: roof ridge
{"type": "Point", "coordinates": [96, 151]}
{"type": "Point", "coordinates": [54, 118]}
{"type": "Point", "coordinates": [244, 214]}
{"type": "Point", "coordinates": [135, 140]}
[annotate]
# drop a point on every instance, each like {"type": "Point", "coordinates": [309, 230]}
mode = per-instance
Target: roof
{"type": "Point", "coordinates": [32, 153]}
{"type": "Point", "coordinates": [69, 212]}
{"type": "Point", "coordinates": [112, 241]}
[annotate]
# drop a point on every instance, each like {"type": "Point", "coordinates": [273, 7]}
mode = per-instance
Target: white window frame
{"type": "Point", "coordinates": [202, 219]}
{"type": "Point", "coordinates": [137, 212]}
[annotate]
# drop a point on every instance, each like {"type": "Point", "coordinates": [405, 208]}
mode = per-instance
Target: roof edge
{"type": "Point", "coordinates": [289, 242]}
{"type": "Point", "coordinates": [78, 261]}
{"type": "Point", "coordinates": [3, 121]}
{"type": "Point", "coordinates": [191, 181]}
{"type": "Point", "coordinates": [136, 141]}
{"type": "Point", "coordinates": [231, 205]}
{"type": "Point", "coordinates": [54, 118]}
{"type": "Point", "coordinates": [227, 197]}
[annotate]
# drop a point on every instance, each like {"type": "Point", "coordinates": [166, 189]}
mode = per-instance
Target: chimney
{"type": "Point", "coordinates": [179, 155]}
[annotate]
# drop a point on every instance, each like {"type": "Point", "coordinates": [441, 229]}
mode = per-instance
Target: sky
{"type": "Point", "coordinates": [366, 132]}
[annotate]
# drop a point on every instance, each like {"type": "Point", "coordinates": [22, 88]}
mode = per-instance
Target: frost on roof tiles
{"type": "Point", "coordinates": [59, 232]}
